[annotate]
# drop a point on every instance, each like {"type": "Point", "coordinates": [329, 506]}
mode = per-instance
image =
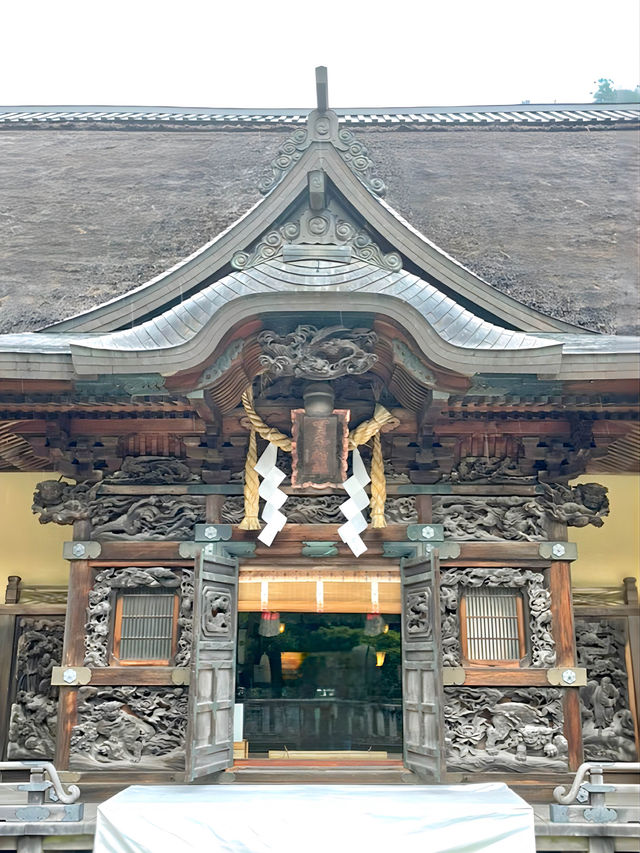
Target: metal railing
{"type": "Point", "coordinates": [50, 810]}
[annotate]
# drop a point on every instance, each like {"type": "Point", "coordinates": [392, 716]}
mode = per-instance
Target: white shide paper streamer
{"type": "Point", "coordinates": [352, 509]}
{"type": "Point", "coordinates": [274, 497]}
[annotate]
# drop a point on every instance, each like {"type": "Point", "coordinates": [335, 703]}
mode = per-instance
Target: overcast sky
{"type": "Point", "coordinates": [262, 54]}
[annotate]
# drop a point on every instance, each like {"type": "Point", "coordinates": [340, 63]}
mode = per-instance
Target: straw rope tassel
{"type": "Point", "coordinates": [363, 433]}
{"type": "Point", "coordinates": [378, 485]}
{"type": "Point", "coordinates": [264, 430]}
{"type": "Point", "coordinates": [251, 485]}
{"type": "Point", "coordinates": [251, 479]}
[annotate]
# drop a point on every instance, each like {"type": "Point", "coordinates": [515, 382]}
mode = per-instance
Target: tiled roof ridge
{"type": "Point", "coordinates": [470, 116]}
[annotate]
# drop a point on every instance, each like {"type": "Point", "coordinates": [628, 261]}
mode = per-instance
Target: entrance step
{"type": "Point", "coordinates": [343, 772]}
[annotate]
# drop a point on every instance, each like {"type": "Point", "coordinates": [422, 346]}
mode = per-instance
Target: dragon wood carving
{"type": "Point", "coordinates": [312, 353]}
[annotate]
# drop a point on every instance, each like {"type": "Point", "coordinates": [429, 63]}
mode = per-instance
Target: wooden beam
{"type": "Point", "coordinates": [563, 629]}
{"type": "Point", "coordinates": [146, 675]}
{"type": "Point", "coordinates": [80, 583]}
{"type": "Point", "coordinates": [508, 676]}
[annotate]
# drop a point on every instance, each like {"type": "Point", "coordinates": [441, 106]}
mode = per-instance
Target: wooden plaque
{"type": "Point", "coordinates": [319, 449]}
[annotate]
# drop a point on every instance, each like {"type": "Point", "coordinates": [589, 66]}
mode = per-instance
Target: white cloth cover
{"type": "Point", "coordinates": [316, 819]}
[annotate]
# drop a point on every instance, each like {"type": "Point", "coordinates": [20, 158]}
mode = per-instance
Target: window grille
{"type": "Point", "coordinates": [492, 624]}
{"type": "Point", "coordinates": [145, 626]}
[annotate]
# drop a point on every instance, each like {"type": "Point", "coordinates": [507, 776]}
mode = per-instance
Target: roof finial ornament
{"type": "Point", "coordinates": [322, 88]}
{"type": "Point", "coordinates": [322, 126]}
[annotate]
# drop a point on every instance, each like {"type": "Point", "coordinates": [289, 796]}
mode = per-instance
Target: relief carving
{"type": "Point", "coordinates": [418, 615]}
{"type": "Point", "coordinates": [119, 516]}
{"type": "Point", "coordinates": [510, 729]}
{"type": "Point", "coordinates": [312, 353]}
{"type": "Point", "coordinates": [32, 725]}
{"type": "Point", "coordinates": [576, 506]}
{"type": "Point", "coordinates": [487, 469]}
{"type": "Point", "coordinates": [152, 517]}
{"type": "Point", "coordinates": [216, 612]}
{"type": "Point", "coordinates": [63, 503]}
{"type": "Point", "coordinates": [98, 626]}
{"type": "Point", "coordinates": [123, 726]}
{"type": "Point", "coordinates": [323, 127]}
{"type": "Point", "coordinates": [607, 723]}
{"type": "Point", "coordinates": [401, 510]}
{"type": "Point", "coordinates": [151, 470]}
{"type": "Point", "coordinates": [490, 518]}
{"type": "Point", "coordinates": [323, 228]}
{"type": "Point", "coordinates": [541, 642]}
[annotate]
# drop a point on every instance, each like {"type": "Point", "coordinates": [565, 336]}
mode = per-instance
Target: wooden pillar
{"type": "Point", "coordinates": [424, 509]}
{"type": "Point", "coordinates": [633, 622]}
{"type": "Point", "coordinates": [80, 583]}
{"type": "Point", "coordinates": [565, 639]}
{"type": "Point", "coordinates": [213, 508]}
{"type": "Point", "coordinates": [7, 633]}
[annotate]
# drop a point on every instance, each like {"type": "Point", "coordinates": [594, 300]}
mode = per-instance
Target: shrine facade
{"type": "Point", "coordinates": [317, 486]}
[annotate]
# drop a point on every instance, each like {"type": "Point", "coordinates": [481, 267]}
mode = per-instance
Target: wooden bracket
{"type": "Point", "coordinates": [70, 676]}
{"type": "Point", "coordinates": [81, 550]}
{"type": "Point", "coordinates": [213, 532]}
{"type": "Point", "coordinates": [567, 676]}
{"type": "Point", "coordinates": [453, 675]}
{"type": "Point", "coordinates": [180, 675]}
{"type": "Point", "coordinates": [565, 551]}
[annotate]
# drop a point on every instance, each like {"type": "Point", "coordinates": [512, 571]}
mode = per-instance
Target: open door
{"type": "Point", "coordinates": [213, 653]}
{"type": "Point", "coordinates": [421, 667]}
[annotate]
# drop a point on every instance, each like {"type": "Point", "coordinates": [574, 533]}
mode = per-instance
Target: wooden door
{"type": "Point", "coordinates": [209, 746]}
{"type": "Point", "coordinates": [422, 694]}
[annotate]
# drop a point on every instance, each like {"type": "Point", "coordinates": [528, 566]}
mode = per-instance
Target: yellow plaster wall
{"type": "Point", "coordinates": [610, 553]}
{"type": "Point", "coordinates": [28, 548]}
{"type": "Point", "coordinates": [32, 550]}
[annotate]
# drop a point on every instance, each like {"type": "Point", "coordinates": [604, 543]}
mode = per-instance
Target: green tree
{"type": "Point", "coordinates": [605, 93]}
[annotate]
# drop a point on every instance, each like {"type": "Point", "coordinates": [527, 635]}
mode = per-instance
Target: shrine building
{"type": "Point", "coordinates": [321, 499]}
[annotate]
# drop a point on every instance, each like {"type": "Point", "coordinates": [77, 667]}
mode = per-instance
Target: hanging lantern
{"type": "Point", "coordinates": [374, 624]}
{"type": "Point", "coordinates": [269, 624]}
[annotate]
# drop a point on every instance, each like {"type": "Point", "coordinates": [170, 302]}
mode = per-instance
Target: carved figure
{"type": "Point", "coordinates": [313, 353]}
{"type": "Point", "coordinates": [216, 612]}
{"type": "Point", "coordinates": [487, 469]}
{"type": "Point", "coordinates": [576, 506]}
{"type": "Point", "coordinates": [452, 582]}
{"type": "Point", "coordinates": [62, 503]}
{"type": "Point", "coordinates": [152, 470]}
{"type": "Point", "coordinates": [120, 726]}
{"type": "Point", "coordinates": [119, 516]}
{"type": "Point", "coordinates": [607, 724]}
{"type": "Point", "coordinates": [32, 725]}
{"type": "Point", "coordinates": [504, 729]}
{"type": "Point", "coordinates": [418, 616]}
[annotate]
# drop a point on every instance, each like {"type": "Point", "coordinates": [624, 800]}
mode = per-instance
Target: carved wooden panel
{"type": "Point", "coordinates": [607, 722]}
{"type": "Point", "coordinates": [421, 668]}
{"type": "Point", "coordinates": [33, 714]}
{"type": "Point", "coordinates": [210, 737]}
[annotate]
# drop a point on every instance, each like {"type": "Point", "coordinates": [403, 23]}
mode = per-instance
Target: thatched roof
{"type": "Point", "coordinates": [550, 217]}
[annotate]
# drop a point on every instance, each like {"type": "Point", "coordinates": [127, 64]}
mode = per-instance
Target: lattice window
{"type": "Point", "coordinates": [492, 625]}
{"type": "Point", "coordinates": [145, 626]}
